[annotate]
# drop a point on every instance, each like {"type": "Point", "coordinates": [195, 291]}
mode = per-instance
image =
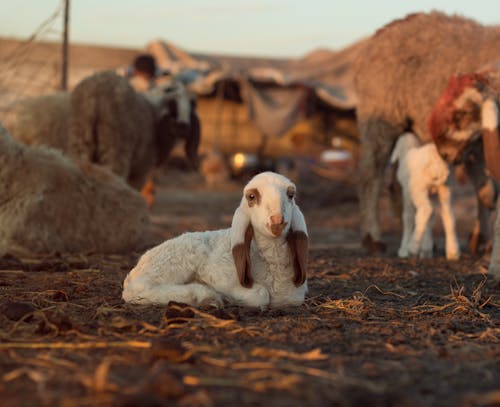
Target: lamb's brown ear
{"type": "Point", "coordinates": [298, 242]}
{"type": "Point", "coordinates": [241, 256]}
{"type": "Point", "coordinates": [299, 249]}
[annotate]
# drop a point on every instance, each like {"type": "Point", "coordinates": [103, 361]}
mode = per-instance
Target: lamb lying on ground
{"type": "Point", "coordinates": [421, 172]}
{"type": "Point", "coordinates": [260, 261]}
{"type": "Point", "coordinates": [49, 203]}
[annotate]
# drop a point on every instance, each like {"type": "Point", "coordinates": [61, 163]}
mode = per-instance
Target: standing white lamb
{"type": "Point", "coordinates": [260, 261]}
{"type": "Point", "coordinates": [421, 172]}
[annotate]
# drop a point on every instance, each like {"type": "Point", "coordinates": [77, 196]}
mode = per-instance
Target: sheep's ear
{"type": "Point", "coordinates": [241, 238]}
{"type": "Point", "coordinates": [298, 242]}
{"type": "Point", "coordinates": [491, 136]}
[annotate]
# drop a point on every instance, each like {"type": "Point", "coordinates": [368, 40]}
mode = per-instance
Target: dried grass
{"type": "Point", "coordinates": [461, 303]}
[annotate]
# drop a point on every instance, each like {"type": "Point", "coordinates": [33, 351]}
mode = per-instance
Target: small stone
{"type": "Point", "coordinates": [163, 382]}
{"type": "Point", "coordinates": [17, 310]}
{"type": "Point", "coordinates": [169, 350]}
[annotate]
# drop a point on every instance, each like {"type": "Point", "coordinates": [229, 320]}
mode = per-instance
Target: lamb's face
{"type": "Point", "coordinates": [456, 117]}
{"type": "Point", "coordinates": [270, 199]}
{"type": "Point", "coordinates": [268, 209]}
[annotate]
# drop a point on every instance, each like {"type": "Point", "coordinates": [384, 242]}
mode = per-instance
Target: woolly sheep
{"type": "Point", "coordinates": [260, 261]}
{"type": "Point", "coordinates": [421, 172]}
{"type": "Point", "coordinates": [43, 120]}
{"type": "Point", "coordinates": [48, 203]}
{"type": "Point", "coordinates": [399, 75]}
{"type": "Point", "coordinates": [104, 121]}
{"type": "Point", "coordinates": [468, 111]}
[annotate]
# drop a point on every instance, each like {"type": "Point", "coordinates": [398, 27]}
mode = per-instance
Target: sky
{"type": "Point", "coordinates": [273, 28]}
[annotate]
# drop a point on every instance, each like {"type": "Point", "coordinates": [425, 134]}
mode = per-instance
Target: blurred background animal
{"type": "Point", "coordinates": [464, 124]}
{"type": "Point", "coordinates": [106, 122]}
{"type": "Point", "coordinates": [399, 75]}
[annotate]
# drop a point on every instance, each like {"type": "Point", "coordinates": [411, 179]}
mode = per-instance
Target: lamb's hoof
{"type": "Point", "coordinates": [453, 251]}
{"type": "Point", "coordinates": [453, 256]}
{"type": "Point", "coordinates": [425, 254]}
{"type": "Point", "coordinates": [260, 297]}
{"type": "Point", "coordinates": [413, 255]}
{"type": "Point", "coordinates": [215, 301]}
{"type": "Point", "coordinates": [403, 253]}
{"type": "Point", "coordinates": [494, 273]}
{"type": "Point", "coordinates": [373, 246]}
{"type": "Point", "coordinates": [478, 244]}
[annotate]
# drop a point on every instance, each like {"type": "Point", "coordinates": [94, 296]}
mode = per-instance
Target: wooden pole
{"type": "Point", "coordinates": [64, 67]}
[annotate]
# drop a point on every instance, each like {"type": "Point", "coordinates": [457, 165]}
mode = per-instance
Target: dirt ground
{"type": "Point", "coordinates": [374, 331]}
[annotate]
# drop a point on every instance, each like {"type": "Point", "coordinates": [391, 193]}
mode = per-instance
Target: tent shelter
{"type": "Point", "coordinates": [272, 107]}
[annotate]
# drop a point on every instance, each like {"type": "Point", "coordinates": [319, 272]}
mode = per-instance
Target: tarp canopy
{"type": "Point", "coordinates": [274, 110]}
{"type": "Point", "coordinates": [173, 59]}
{"type": "Point", "coordinates": [273, 89]}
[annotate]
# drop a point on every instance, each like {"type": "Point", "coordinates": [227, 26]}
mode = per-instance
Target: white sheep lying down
{"type": "Point", "coordinates": [421, 171]}
{"type": "Point", "coordinates": [260, 261]}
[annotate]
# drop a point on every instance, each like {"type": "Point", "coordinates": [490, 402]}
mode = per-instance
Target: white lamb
{"type": "Point", "coordinates": [260, 261]}
{"type": "Point", "coordinates": [421, 171]}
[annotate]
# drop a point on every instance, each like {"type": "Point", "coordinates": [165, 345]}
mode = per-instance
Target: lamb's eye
{"type": "Point", "coordinates": [253, 197]}
{"type": "Point", "coordinates": [290, 193]}
{"type": "Point", "coordinates": [458, 115]}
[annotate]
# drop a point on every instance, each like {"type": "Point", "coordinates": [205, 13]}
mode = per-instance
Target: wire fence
{"type": "Point", "coordinates": [31, 67]}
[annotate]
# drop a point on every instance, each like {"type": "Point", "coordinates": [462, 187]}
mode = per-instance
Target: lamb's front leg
{"type": "Point", "coordinates": [427, 242]}
{"type": "Point", "coordinates": [408, 224]}
{"type": "Point", "coordinates": [257, 296]}
{"type": "Point", "coordinates": [226, 282]}
{"type": "Point", "coordinates": [448, 217]}
{"type": "Point", "coordinates": [423, 207]}
{"type": "Point", "coordinates": [485, 188]}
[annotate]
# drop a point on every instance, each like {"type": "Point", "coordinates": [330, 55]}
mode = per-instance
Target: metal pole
{"type": "Point", "coordinates": [64, 67]}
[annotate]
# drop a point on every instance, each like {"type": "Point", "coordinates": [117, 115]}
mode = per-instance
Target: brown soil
{"type": "Point", "coordinates": [373, 331]}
